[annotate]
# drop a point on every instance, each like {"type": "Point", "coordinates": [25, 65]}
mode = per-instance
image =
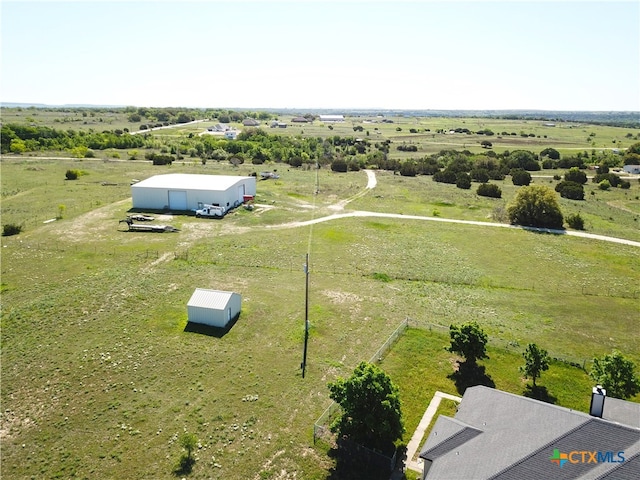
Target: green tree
{"type": "Point", "coordinates": [616, 374]}
{"type": "Point", "coordinates": [469, 341]}
{"type": "Point", "coordinates": [371, 408]}
{"type": "Point", "coordinates": [463, 180]}
{"type": "Point", "coordinates": [520, 177]}
{"type": "Point", "coordinates": [189, 442]}
{"type": "Point", "coordinates": [536, 361]}
{"type": "Point", "coordinates": [574, 174]}
{"type": "Point", "coordinates": [551, 153]}
{"type": "Point", "coordinates": [17, 146]}
{"type": "Point", "coordinates": [535, 206]}
{"type": "Point", "coordinates": [570, 190]}
{"type": "Point", "coordinates": [489, 190]}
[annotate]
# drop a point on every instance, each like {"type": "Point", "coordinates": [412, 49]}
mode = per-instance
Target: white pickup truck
{"type": "Point", "coordinates": [211, 211]}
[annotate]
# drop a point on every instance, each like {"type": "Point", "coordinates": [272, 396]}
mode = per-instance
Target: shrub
{"type": "Point", "coordinates": [408, 169]}
{"type": "Point", "coordinates": [463, 180]}
{"type": "Point", "coordinates": [445, 176]}
{"type": "Point", "coordinates": [489, 190]}
{"type": "Point", "coordinates": [72, 174]}
{"type": "Point", "coordinates": [604, 185]}
{"type": "Point", "coordinates": [570, 190]}
{"type": "Point", "coordinates": [575, 221]}
{"type": "Point", "coordinates": [339, 166]}
{"type": "Point", "coordinates": [9, 229]}
{"type": "Point", "coordinates": [520, 177]}
{"type": "Point", "coordinates": [576, 175]}
{"type": "Point", "coordinates": [480, 175]}
{"type": "Point", "coordinates": [611, 178]}
{"type": "Point", "coordinates": [160, 159]}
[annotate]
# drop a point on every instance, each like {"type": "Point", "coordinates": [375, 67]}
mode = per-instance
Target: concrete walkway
{"type": "Point", "coordinates": [414, 443]}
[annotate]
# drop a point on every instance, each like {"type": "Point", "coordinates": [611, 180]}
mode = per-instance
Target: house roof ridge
{"type": "Point", "coordinates": [466, 428]}
{"type": "Point", "coordinates": [533, 400]}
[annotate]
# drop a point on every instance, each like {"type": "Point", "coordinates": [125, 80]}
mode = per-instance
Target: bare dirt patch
{"type": "Point", "coordinates": [92, 226]}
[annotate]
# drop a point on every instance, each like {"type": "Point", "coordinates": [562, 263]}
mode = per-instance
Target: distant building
{"type": "Point", "coordinates": [250, 122]}
{"type": "Point", "coordinates": [230, 134]}
{"type": "Point", "coordinates": [219, 127]}
{"type": "Point", "coordinates": [300, 120]}
{"type": "Point", "coordinates": [332, 118]}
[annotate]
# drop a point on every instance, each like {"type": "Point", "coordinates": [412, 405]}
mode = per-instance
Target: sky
{"type": "Point", "coordinates": [431, 55]}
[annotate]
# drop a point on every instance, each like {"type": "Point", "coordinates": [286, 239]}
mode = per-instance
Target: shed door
{"type": "Point", "coordinates": [177, 200]}
{"type": "Point", "coordinates": [241, 191]}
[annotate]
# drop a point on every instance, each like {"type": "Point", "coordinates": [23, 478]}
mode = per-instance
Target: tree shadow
{"type": "Point", "coordinates": [353, 466]}
{"type": "Point", "coordinates": [539, 393]}
{"type": "Point", "coordinates": [470, 374]}
{"type": "Point", "coordinates": [184, 466]}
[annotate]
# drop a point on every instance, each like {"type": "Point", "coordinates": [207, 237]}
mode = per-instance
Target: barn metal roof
{"type": "Point", "coordinates": [212, 299]}
{"type": "Point", "coordinates": [190, 181]}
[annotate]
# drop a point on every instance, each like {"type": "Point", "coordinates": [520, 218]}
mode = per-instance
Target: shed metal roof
{"type": "Point", "coordinates": [212, 299]}
{"type": "Point", "coordinates": [190, 181]}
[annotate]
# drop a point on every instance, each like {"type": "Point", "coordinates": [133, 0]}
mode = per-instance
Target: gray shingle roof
{"type": "Point", "coordinates": [593, 436]}
{"type": "Point", "coordinates": [622, 411]}
{"type": "Point", "coordinates": [629, 470]}
{"type": "Point", "coordinates": [499, 435]}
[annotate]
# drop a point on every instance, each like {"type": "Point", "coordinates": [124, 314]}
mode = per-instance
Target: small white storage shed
{"type": "Point", "coordinates": [184, 191]}
{"type": "Point", "coordinates": [213, 307]}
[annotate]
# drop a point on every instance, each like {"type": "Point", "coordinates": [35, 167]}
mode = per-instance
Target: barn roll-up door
{"type": "Point", "coordinates": [177, 200]}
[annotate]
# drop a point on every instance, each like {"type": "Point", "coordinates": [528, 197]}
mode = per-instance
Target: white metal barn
{"type": "Point", "coordinates": [184, 191]}
{"type": "Point", "coordinates": [213, 307]}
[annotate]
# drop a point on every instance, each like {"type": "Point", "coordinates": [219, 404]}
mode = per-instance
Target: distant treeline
{"type": "Point", "coordinates": [170, 115]}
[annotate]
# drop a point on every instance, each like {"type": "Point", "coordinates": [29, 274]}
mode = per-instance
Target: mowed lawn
{"type": "Point", "coordinates": [99, 376]}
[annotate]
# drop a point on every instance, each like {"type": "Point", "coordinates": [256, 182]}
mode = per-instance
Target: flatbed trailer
{"type": "Point", "coordinates": [137, 227]}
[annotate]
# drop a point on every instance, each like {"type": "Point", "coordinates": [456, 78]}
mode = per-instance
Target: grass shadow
{"type": "Point", "coordinates": [210, 331]}
{"type": "Point", "coordinates": [470, 374]}
{"type": "Point", "coordinates": [539, 393]}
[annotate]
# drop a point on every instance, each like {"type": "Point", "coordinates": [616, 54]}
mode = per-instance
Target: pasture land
{"type": "Point", "coordinates": [100, 377]}
{"type": "Point", "coordinates": [568, 137]}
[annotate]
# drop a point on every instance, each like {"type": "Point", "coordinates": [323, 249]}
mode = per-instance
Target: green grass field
{"type": "Point", "coordinates": [99, 377]}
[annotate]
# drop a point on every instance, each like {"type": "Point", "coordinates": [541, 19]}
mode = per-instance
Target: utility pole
{"type": "Point", "coordinates": [306, 317]}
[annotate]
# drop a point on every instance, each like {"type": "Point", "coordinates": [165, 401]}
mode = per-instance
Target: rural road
{"type": "Point", "coordinates": [372, 182]}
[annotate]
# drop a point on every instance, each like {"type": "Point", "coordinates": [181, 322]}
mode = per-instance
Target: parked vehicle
{"type": "Point", "coordinates": [211, 211]}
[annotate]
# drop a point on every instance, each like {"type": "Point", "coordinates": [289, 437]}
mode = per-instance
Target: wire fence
{"type": "Point", "coordinates": [502, 344]}
{"type": "Point", "coordinates": [321, 425]}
